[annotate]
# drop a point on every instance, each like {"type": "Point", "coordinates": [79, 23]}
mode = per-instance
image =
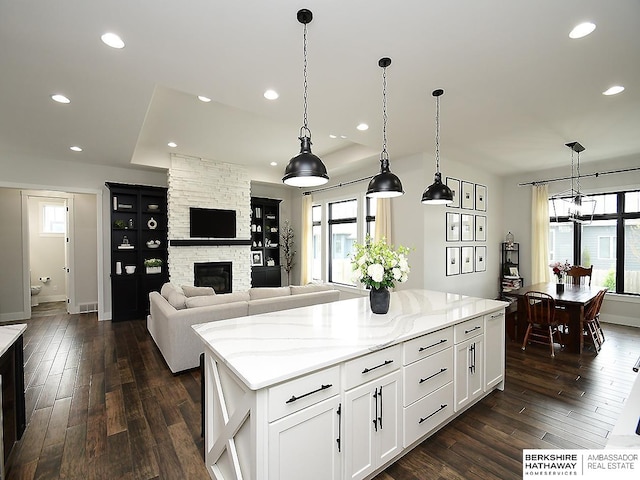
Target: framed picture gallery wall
{"type": "Point", "coordinates": [466, 225]}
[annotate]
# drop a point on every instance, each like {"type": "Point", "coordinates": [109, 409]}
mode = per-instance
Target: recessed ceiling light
{"type": "Point", "coordinates": [343, 136]}
{"type": "Point", "coordinates": [204, 99]}
{"type": "Point", "coordinates": [271, 94]}
{"type": "Point", "coordinates": [75, 148]}
{"type": "Point", "coordinates": [332, 136]}
{"type": "Point", "coordinates": [613, 90]}
{"type": "Point", "coordinates": [274, 164]}
{"type": "Point", "coordinates": [362, 127]}
{"type": "Point", "coordinates": [60, 98]}
{"type": "Point", "coordinates": [113, 40]}
{"type": "Point", "coordinates": [172, 144]}
{"type": "Point", "coordinates": [582, 30]}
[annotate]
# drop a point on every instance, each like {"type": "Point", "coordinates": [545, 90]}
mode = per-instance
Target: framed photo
{"type": "Point", "coordinates": [481, 198]}
{"type": "Point", "coordinates": [481, 228]}
{"type": "Point", "coordinates": [467, 260]}
{"type": "Point", "coordinates": [454, 185]}
{"type": "Point", "coordinates": [453, 261]}
{"type": "Point", "coordinates": [481, 259]}
{"type": "Point", "coordinates": [466, 227]}
{"type": "Point", "coordinates": [453, 227]}
{"type": "Point", "coordinates": [513, 271]}
{"type": "Point", "coordinates": [466, 199]}
{"type": "Point", "coordinates": [256, 259]}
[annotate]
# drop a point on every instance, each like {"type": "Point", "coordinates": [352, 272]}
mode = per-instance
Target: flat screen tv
{"type": "Point", "coordinates": [212, 223]}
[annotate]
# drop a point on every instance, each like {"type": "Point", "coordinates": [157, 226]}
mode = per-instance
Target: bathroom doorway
{"type": "Point", "coordinates": [48, 258]}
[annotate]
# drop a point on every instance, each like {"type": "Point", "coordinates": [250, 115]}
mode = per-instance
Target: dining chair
{"type": "Point", "coordinates": [591, 327]}
{"type": "Point", "coordinates": [578, 275]}
{"type": "Point", "coordinates": [541, 317]}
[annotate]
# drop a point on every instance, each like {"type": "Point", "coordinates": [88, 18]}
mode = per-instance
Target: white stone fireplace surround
{"type": "Point", "coordinates": [197, 182]}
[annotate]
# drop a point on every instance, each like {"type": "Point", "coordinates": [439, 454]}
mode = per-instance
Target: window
{"type": "Point", "coordinates": [608, 237]}
{"type": "Point", "coordinates": [343, 233]}
{"type": "Point", "coordinates": [316, 236]}
{"type": "Point", "coordinates": [372, 204]}
{"type": "Point", "coordinates": [53, 219]}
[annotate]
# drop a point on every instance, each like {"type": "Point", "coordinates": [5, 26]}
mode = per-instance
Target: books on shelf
{"type": "Point", "coordinates": [511, 283]}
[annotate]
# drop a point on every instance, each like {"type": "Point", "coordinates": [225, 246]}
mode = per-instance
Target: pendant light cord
{"type": "Point", "coordinates": [304, 131]}
{"type": "Point", "coordinates": [438, 134]}
{"type": "Point", "coordinates": [384, 155]}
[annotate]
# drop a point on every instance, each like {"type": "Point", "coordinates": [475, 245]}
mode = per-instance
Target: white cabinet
{"type": "Point", "coordinates": [372, 425]}
{"type": "Point", "coordinates": [306, 444]}
{"type": "Point", "coordinates": [305, 417]}
{"type": "Point", "coordinates": [494, 362]}
{"type": "Point", "coordinates": [469, 361]}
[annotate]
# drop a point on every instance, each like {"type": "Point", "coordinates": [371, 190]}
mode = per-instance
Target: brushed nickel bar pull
{"type": "Point", "coordinates": [473, 329]}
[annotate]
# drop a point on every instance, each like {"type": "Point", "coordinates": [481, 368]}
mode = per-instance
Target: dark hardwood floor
{"type": "Point", "coordinates": [101, 404]}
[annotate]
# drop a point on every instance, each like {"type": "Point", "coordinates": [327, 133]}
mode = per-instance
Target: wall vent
{"type": "Point", "coordinates": [88, 307]}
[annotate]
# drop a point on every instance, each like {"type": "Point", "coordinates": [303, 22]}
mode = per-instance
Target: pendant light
{"type": "Point", "coordinates": [437, 193]}
{"type": "Point", "coordinates": [385, 184]}
{"type": "Point", "coordinates": [305, 169]}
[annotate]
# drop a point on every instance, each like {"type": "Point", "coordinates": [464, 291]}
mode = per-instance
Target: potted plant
{"type": "Point", "coordinates": [153, 265]}
{"type": "Point", "coordinates": [378, 266]}
{"type": "Point", "coordinates": [120, 224]}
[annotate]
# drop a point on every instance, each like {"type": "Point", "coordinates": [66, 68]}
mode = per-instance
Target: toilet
{"type": "Point", "coordinates": [35, 290]}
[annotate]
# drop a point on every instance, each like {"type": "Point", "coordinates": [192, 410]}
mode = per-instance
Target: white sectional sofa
{"type": "Point", "coordinates": [175, 309]}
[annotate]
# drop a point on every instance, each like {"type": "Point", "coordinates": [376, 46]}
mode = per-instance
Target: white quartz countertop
{"type": "Point", "coordinates": [266, 349]}
{"type": "Point", "coordinates": [9, 334]}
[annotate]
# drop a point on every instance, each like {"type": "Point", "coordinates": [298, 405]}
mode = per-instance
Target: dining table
{"type": "Point", "coordinates": [571, 304]}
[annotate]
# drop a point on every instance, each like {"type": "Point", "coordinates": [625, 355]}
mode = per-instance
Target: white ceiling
{"type": "Point", "coordinates": [516, 87]}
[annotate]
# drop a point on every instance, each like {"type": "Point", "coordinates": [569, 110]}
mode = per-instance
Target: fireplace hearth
{"type": "Point", "coordinates": [213, 274]}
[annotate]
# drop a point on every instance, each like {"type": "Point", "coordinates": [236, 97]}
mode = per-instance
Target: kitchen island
{"type": "Point", "coordinates": [335, 391]}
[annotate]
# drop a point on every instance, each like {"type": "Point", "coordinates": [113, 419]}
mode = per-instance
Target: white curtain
{"type": "Point", "coordinates": [540, 234]}
{"type": "Point", "coordinates": [306, 247]}
{"type": "Point", "coordinates": [383, 220]}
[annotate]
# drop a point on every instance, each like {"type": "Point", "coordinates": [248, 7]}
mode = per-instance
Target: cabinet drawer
{"type": "Point", "coordinates": [468, 329]}
{"type": "Point", "coordinates": [427, 345]}
{"type": "Point", "coordinates": [371, 366]}
{"type": "Point", "coordinates": [427, 375]}
{"type": "Point", "coordinates": [425, 415]}
{"type": "Point", "coordinates": [299, 393]}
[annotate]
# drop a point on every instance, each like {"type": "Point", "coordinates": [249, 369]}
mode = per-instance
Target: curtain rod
{"type": "Point", "coordinates": [597, 174]}
{"type": "Point", "coordinates": [338, 185]}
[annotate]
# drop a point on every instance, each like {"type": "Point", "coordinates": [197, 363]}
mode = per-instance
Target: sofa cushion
{"type": "Point", "coordinates": [309, 288]}
{"type": "Point", "coordinates": [206, 300]}
{"type": "Point", "coordinates": [258, 293]}
{"type": "Point", "coordinates": [190, 291]}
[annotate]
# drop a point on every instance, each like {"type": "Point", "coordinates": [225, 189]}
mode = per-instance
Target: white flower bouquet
{"type": "Point", "coordinates": [379, 265]}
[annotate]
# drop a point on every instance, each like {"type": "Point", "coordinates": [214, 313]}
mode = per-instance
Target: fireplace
{"type": "Point", "coordinates": [213, 274]}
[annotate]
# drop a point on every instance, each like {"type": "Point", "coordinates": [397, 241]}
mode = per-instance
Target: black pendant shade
{"type": "Point", "coordinates": [437, 193]}
{"type": "Point", "coordinates": [385, 184]}
{"type": "Point", "coordinates": [305, 169]}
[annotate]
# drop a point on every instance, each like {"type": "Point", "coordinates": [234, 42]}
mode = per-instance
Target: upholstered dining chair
{"type": "Point", "coordinates": [578, 275]}
{"type": "Point", "coordinates": [591, 327]}
{"type": "Point", "coordinates": [541, 317]}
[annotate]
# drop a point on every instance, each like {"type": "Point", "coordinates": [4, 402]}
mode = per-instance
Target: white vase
{"type": "Point", "coordinates": [153, 269]}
